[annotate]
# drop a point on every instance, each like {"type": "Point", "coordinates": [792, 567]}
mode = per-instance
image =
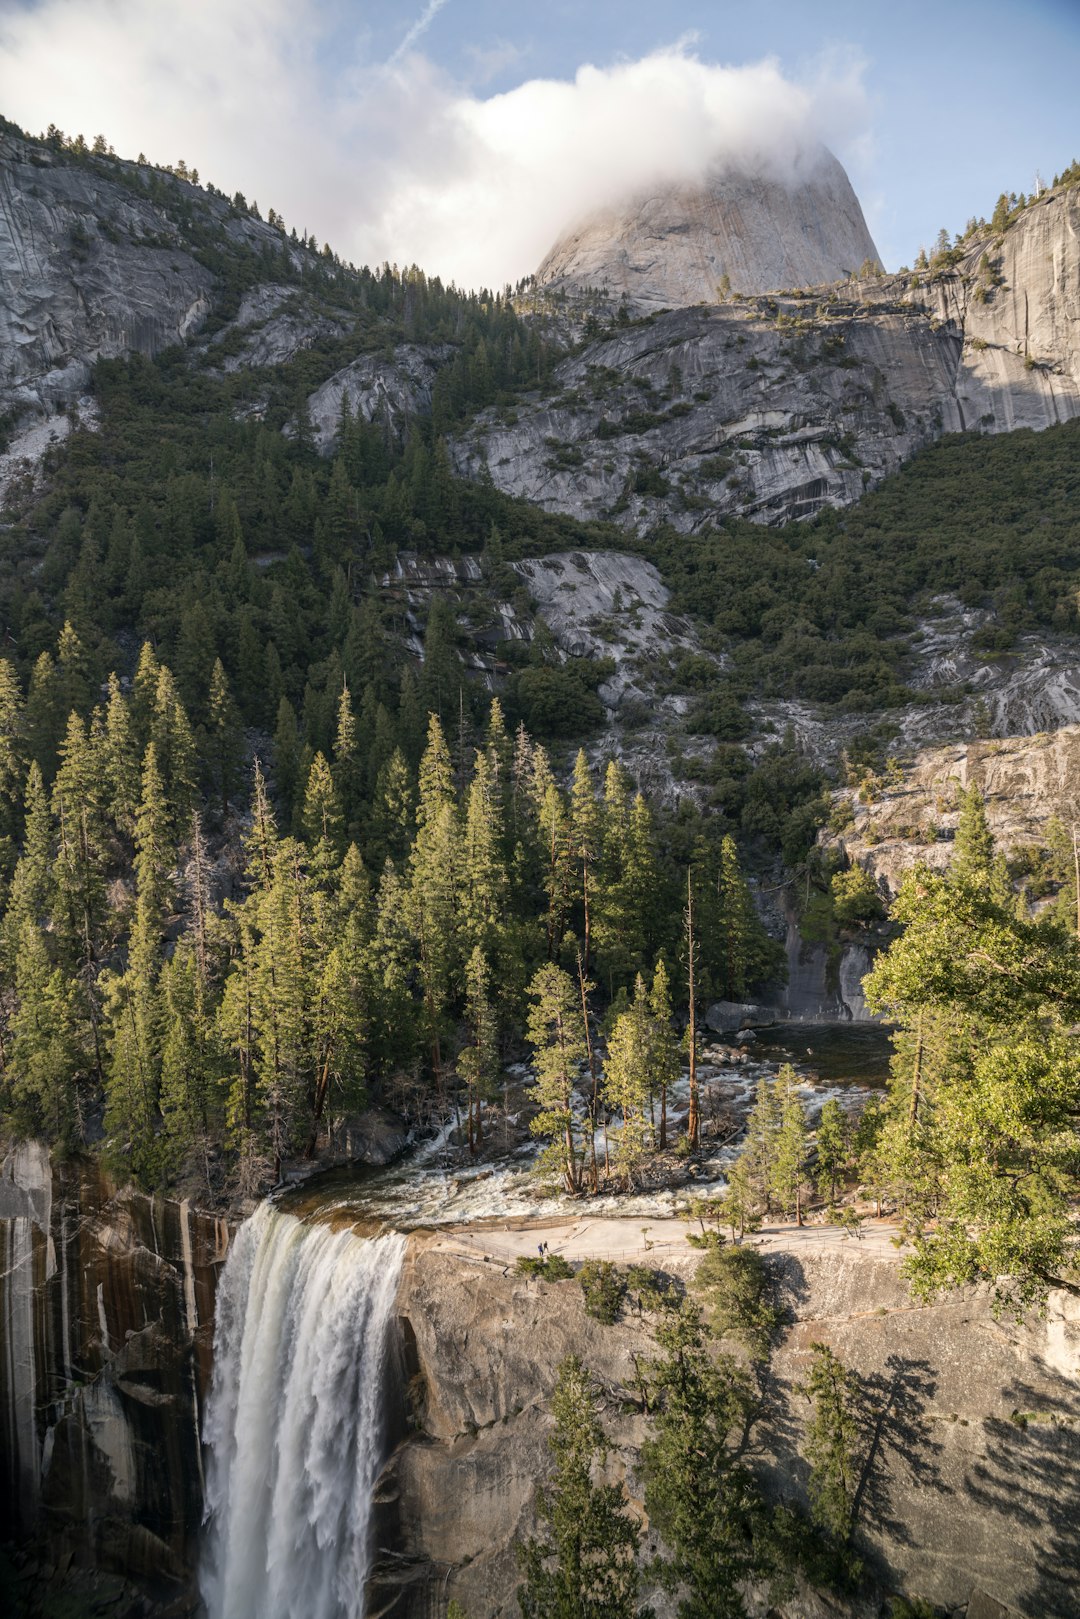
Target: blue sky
{"type": "Point", "coordinates": [425, 131]}
{"type": "Point", "coordinates": [967, 97]}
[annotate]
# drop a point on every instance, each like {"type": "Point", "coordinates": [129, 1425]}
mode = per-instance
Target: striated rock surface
{"type": "Point", "coordinates": [1020, 316]}
{"type": "Point", "coordinates": [974, 1425]}
{"type": "Point", "coordinates": [101, 258]}
{"type": "Point", "coordinates": [106, 1331]}
{"type": "Point", "coordinates": [697, 415]}
{"type": "Point", "coordinates": [89, 268]}
{"type": "Point", "coordinates": [674, 245]}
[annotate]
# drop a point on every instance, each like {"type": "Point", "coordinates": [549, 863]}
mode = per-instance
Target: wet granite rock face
{"type": "Point", "coordinates": [971, 1431]}
{"type": "Point", "coordinates": [106, 1325]}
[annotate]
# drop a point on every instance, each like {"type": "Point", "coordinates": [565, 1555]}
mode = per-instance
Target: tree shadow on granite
{"type": "Point", "coordinates": [899, 1455]}
{"type": "Point", "coordinates": [1029, 1478]}
{"type": "Point", "coordinates": [788, 1284]}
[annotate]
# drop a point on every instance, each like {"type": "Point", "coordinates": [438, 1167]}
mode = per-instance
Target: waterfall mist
{"type": "Point", "coordinates": [294, 1423]}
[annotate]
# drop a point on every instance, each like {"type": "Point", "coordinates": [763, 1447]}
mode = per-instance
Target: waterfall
{"type": "Point", "coordinates": [294, 1420]}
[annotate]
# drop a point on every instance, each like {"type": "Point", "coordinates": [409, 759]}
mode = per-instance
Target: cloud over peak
{"type": "Point", "coordinates": [394, 160]}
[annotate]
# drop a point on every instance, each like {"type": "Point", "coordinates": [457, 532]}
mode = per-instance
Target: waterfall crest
{"type": "Point", "coordinates": [294, 1421]}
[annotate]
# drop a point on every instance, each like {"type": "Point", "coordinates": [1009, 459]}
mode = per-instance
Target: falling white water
{"type": "Point", "coordinates": [294, 1422]}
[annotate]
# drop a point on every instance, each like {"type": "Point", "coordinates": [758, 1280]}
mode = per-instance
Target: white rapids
{"type": "Point", "coordinates": [294, 1421]}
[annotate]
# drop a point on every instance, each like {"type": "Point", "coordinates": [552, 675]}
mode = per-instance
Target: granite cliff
{"type": "Point", "coordinates": [743, 230]}
{"type": "Point", "coordinates": [773, 407]}
{"type": "Point", "coordinates": [970, 1422]}
{"type": "Point", "coordinates": [106, 1319]}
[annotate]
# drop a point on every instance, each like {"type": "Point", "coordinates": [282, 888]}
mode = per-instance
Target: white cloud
{"type": "Point", "coordinates": [395, 161]}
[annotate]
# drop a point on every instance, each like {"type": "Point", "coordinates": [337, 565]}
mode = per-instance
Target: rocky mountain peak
{"type": "Point", "coordinates": [674, 246]}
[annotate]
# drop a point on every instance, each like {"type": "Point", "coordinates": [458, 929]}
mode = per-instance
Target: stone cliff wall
{"type": "Point", "coordinates": [674, 245]}
{"type": "Point", "coordinates": [972, 1424]}
{"type": "Point", "coordinates": [779, 407]}
{"type": "Point", "coordinates": [1025, 781]}
{"type": "Point", "coordinates": [106, 1329]}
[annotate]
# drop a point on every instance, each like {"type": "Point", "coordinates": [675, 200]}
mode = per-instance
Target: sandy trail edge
{"type": "Point", "coordinates": [623, 1238]}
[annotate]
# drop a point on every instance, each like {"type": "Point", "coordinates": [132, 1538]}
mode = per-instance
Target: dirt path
{"type": "Point", "coordinates": [629, 1239]}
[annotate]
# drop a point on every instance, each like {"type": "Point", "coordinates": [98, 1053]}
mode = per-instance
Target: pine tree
{"type": "Point", "coordinates": [699, 1495]}
{"type": "Point", "coordinates": [394, 809]}
{"type": "Point", "coordinates": [584, 1564]}
{"type": "Point", "coordinates": [32, 883]}
{"type": "Point", "coordinates": [286, 755]}
{"type": "Point", "coordinates": [586, 828]}
{"type": "Point", "coordinates": [174, 748]}
{"type": "Point", "coordinates": [133, 1003]}
{"type": "Point", "coordinates": [833, 1149]}
{"type": "Point", "coordinates": [45, 715]}
{"type": "Point", "coordinates": [77, 811]}
{"type": "Point", "coordinates": [832, 1442]}
{"type": "Point", "coordinates": [664, 1064]}
{"type": "Point", "coordinates": [348, 766]}
{"type": "Point", "coordinates": [693, 1122]}
{"type": "Point", "coordinates": [341, 1018]}
{"type": "Point", "coordinates": [557, 1035]}
{"type": "Point", "coordinates": [225, 737]}
{"type": "Point", "coordinates": [478, 1061]}
{"type": "Point", "coordinates": [759, 1149]}
{"type": "Point", "coordinates": [973, 850]}
{"type": "Point", "coordinates": [628, 1081]}
{"type": "Point", "coordinates": [736, 937]}
{"type": "Point", "coordinates": [11, 761]}
{"type": "Point", "coordinates": [121, 762]}
{"type": "Point", "coordinates": [324, 824]}
{"type": "Point", "coordinates": [787, 1174]}
{"type": "Point", "coordinates": [435, 881]}
{"type": "Point", "coordinates": [485, 894]}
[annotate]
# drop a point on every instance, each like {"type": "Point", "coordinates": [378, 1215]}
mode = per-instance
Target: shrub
{"type": "Point", "coordinates": [737, 1291]}
{"type": "Point", "coordinates": [604, 1289]}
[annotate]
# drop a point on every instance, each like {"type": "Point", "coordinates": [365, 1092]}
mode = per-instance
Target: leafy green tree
{"type": "Point", "coordinates": [738, 1297]}
{"type": "Point", "coordinates": [583, 1564]}
{"type": "Point", "coordinates": [998, 993]}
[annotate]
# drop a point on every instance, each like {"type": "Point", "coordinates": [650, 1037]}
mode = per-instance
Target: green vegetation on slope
{"type": "Point", "coordinates": [824, 610]}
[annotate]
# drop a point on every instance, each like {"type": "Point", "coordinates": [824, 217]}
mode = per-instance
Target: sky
{"type": "Point", "coordinates": [465, 135]}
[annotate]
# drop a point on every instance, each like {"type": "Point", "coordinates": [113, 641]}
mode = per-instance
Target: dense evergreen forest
{"type": "Point", "coordinates": [259, 860]}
